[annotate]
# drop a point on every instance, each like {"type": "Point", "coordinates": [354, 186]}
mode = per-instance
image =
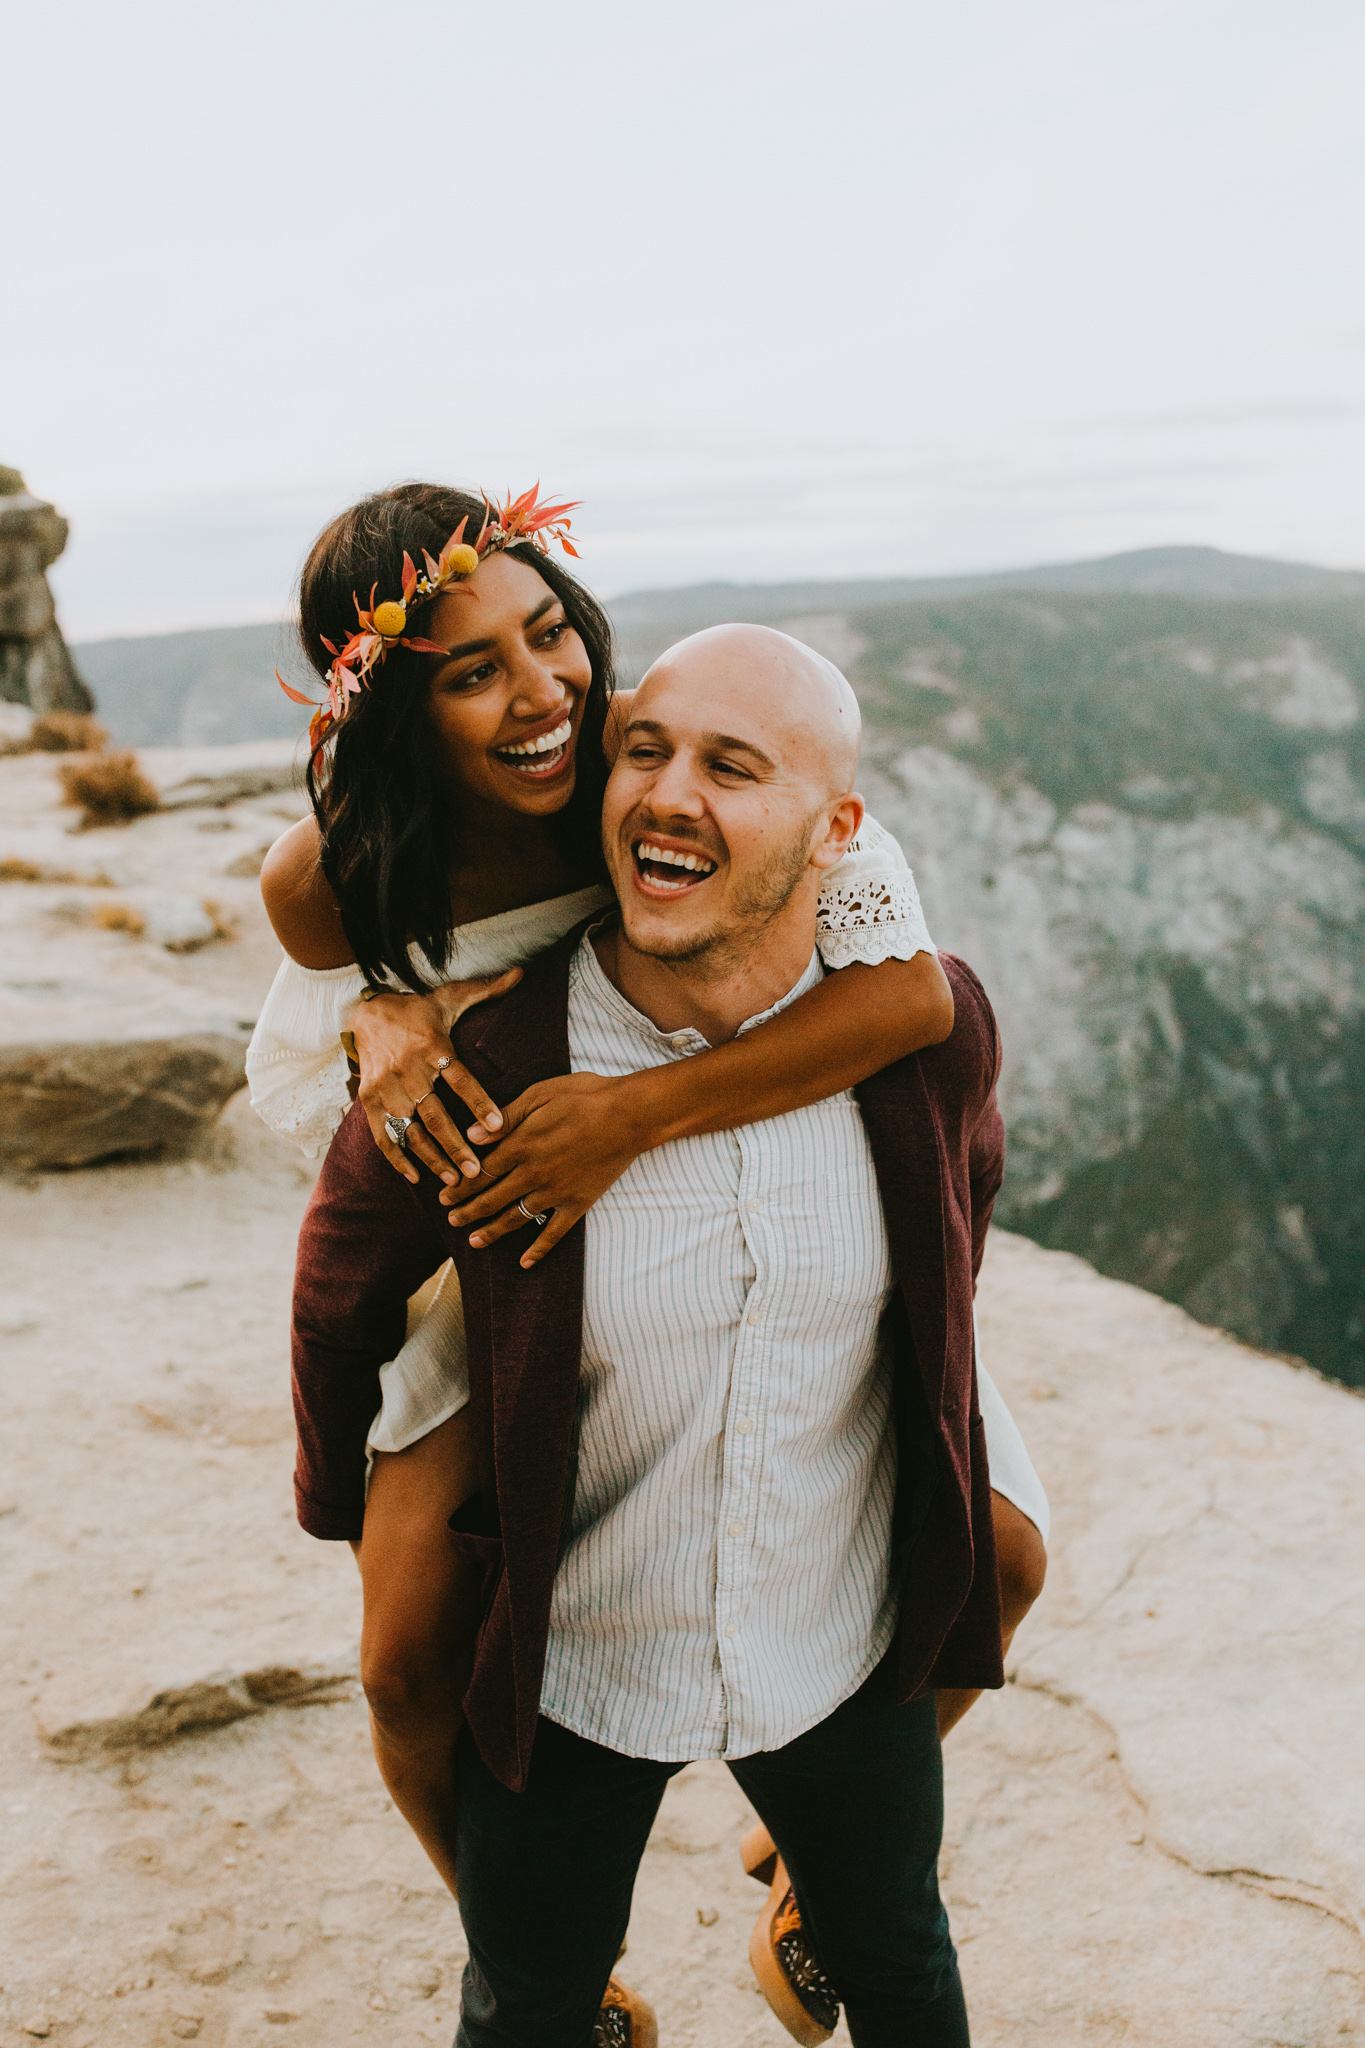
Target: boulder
{"type": "Point", "coordinates": [35, 666]}
{"type": "Point", "coordinates": [127, 1085]}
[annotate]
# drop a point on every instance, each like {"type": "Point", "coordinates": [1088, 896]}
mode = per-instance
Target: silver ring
{"type": "Point", "coordinates": [443, 1063]}
{"type": "Point", "coordinates": [531, 1218]}
{"type": "Point", "coordinates": [396, 1126]}
{"type": "Point", "coordinates": [420, 1100]}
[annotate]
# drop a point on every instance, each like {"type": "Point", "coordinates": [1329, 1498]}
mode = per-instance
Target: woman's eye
{"type": "Point", "coordinates": [554, 634]}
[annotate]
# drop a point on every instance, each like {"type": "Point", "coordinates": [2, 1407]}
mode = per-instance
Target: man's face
{"type": "Point", "coordinates": [709, 816]}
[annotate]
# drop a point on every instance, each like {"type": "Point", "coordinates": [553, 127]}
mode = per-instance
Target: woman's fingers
{"type": "Point", "coordinates": [473, 1094]}
{"type": "Point", "coordinates": [375, 1114]}
{"type": "Point", "coordinates": [462, 996]}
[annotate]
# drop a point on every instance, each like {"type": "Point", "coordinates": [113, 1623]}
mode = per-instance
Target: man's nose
{"type": "Point", "coordinates": [676, 789]}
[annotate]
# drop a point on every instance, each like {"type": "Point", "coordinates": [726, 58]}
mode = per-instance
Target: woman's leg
{"type": "Point", "coordinates": [421, 1619]}
{"type": "Point", "coordinates": [1022, 1557]}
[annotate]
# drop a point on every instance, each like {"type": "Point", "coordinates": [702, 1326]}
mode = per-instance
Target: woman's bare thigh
{"type": "Point", "coordinates": [412, 1576]}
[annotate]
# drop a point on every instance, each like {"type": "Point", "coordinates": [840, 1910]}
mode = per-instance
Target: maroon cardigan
{"type": "Point", "coordinates": [370, 1239]}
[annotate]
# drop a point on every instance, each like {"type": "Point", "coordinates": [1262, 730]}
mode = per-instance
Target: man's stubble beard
{"type": "Point", "coordinates": [755, 906]}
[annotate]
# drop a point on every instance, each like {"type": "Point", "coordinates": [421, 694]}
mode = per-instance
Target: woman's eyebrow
{"type": "Point", "coordinates": [482, 646]}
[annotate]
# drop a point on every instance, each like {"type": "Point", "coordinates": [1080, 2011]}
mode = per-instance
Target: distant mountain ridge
{"type": "Point", "coordinates": [217, 685]}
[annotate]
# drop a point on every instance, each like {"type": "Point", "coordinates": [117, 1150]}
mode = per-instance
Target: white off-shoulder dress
{"type": "Point", "coordinates": [869, 910]}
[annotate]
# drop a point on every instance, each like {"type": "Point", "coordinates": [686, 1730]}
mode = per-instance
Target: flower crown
{"type": "Point", "coordinates": [385, 625]}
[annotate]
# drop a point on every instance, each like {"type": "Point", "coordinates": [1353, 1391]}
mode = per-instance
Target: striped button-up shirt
{"type": "Point", "coordinates": [727, 1581]}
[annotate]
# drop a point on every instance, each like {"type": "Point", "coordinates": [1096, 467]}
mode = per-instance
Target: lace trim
{"type": "Point", "coordinates": [869, 945]}
{"type": "Point", "coordinates": [310, 1109]}
{"type": "Point", "coordinates": [871, 918]}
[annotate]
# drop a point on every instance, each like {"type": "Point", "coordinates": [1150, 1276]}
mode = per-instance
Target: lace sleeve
{"type": "Point", "coordinates": [869, 908]}
{"type": "Point", "coordinates": [295, 1066]}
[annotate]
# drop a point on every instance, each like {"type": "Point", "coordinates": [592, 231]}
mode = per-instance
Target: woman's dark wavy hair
{"type": "Point", "coordinates": [384, 816]}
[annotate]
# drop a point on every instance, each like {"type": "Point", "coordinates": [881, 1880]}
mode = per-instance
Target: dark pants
{"type": "Point", "coordinates": [855, 1806]}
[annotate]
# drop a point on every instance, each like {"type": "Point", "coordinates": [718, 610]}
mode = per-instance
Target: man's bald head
{"type": "Point", "coordinates": [802, 702]}
{"type": "Point", "coordinates": [730, 798]}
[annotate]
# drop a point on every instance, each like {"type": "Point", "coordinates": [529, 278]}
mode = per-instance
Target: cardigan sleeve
{"type": "Point", "coordinates": [365, 1246]}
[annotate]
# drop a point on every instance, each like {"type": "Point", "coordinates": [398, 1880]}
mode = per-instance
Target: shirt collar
{"type": "Point", "coordinates": [687, 1040]}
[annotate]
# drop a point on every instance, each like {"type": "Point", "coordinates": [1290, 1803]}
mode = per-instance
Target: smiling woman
{"type": "Point", "coordinates": [475, 779]}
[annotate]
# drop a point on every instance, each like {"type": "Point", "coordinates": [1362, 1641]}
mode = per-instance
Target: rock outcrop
{"type": "Point", "coordinates": [123, 1028]}
{"type": "Point", "coordinates": [35, 665]}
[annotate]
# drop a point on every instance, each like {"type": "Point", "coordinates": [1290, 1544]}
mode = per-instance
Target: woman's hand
{"type": "Point", "coordinates": [564, 1142]}
{"type": "Point", "coordinates": [399, 1042]}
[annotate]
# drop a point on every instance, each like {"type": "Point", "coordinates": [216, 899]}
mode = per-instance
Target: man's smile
{"type": "Point", "coordinates": [662, 870]}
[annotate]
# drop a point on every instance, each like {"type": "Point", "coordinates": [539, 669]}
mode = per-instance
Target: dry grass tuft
{"type": "Point", "coordinates": [110, 788]}
{"type": "Point", "coordinates": [19, 871]}
{"type": "Point", "coordinates": [118, 917]}
{"type": "Point", "coordinates": [225, 923]}
{"type": "Point", "coordinates": [66, 732]}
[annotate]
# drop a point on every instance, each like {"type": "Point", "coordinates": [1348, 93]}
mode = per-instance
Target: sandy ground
{"type": "Point", "coordinates": [249, 1883]}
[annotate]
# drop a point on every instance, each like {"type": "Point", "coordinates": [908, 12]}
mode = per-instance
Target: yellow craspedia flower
{"type": "Point", "coordinates": [390, 620]}
{"type": "Point", "coordinates": [462, 561]}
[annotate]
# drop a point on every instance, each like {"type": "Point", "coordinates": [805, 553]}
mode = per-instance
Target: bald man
{"type": "Point", "coordinates": [733, 1495]}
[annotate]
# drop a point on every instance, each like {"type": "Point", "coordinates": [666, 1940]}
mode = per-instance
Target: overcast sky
{"type": "Point", "coordinates": [780, 289]}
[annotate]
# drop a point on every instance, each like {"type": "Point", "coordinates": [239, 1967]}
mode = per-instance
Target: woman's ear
{"type": "Point", "coordinates": [841, 826]}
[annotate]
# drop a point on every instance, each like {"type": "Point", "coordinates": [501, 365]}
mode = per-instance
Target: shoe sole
{"type": "Point", "coordinates": [772, 1978]}
{"type": "Point", "coordinates": [644, 2027]}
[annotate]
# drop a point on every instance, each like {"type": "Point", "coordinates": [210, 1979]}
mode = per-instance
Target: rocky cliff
{"type": "Point", "coordinates": [35, 665]}
{"type": "Point", "coordinates": [1141, 815]}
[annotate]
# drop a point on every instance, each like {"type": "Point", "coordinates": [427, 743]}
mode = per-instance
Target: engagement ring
{"type": "Point", "coordinates": [443, 1063]}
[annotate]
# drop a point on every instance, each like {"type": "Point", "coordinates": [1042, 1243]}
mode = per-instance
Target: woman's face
{"type": "Point", "coordinates": [507, 703]}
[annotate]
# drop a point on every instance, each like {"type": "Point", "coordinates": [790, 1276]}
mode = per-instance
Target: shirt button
{"type": "Point", "coordinates": [679, 1038]}
{"type": "Point", "coordinates": [730, 1628]}
{"type": "Point", "coordinates": [734, 1528]}
{"type": "Point", "coordinates": [743, 1428]}
{"type": "Point", "coordinates": [755, 1315]}
{"type": "Point", "coordinates": [755, 1204]}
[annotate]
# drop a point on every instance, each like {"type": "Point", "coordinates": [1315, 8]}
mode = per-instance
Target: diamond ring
{"type": "Point", "coordinates": [397, 1126]}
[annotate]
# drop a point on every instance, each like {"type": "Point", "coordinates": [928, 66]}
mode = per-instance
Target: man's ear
{"type": "Point", "coordinates": [842, 820]}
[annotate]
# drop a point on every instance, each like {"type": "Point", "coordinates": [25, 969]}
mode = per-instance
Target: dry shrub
{"type": "Point", "coordinates": [12, 870]}
{"type": "Point", "coordinates": [118, 917]}
{"type": "Point", "coordinates": [224, 921]}
{"type": "Point", "coordinates": [110, 788]}
{"type": "Point", "coordinates": [66, 732]}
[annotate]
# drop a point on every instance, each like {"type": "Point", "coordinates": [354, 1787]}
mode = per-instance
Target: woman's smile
{"type": "Point", "coordinates": [540, 757]}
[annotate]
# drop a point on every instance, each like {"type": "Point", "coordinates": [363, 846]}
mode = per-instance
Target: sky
{"type": "Point", "coordinates": [777, 289]}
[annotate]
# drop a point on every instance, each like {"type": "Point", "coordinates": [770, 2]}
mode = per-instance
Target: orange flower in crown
{"type": "Point", "coordinates": [385, 625]}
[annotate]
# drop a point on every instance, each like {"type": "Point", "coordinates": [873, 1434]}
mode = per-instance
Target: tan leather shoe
{"type": "Point", "coordinates": [788, 1973]}
{"type": "Point", "coordinates": [625, 2020]}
